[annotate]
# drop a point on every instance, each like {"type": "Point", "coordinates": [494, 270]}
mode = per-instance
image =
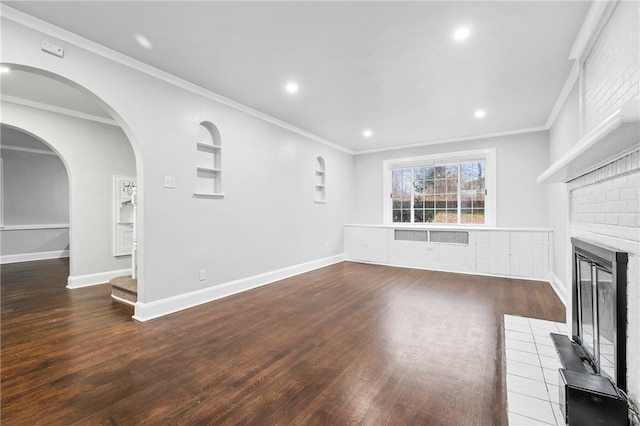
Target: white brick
{"type": "Point", "coordinates": [628, 220]}
{"type": "Point", "coordinates": [612, 219]}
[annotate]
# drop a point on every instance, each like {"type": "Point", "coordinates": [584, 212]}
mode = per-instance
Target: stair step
{"type": "Point", "coordinates": [124, 289]}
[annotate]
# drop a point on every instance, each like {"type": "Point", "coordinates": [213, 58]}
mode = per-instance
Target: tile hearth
{"type": "Point", "coordinates": [532, 371]}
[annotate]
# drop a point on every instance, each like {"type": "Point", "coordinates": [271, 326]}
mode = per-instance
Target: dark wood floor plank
{"type": "Point", "coordinates": [347, 344]}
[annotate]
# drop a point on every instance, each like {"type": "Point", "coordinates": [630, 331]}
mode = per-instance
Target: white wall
{"type": "Point", "coordinates": [35, 185]}
{"type": "Point", "coordinates": [267, 220]}
{"type": "Point", "coordinates": [35, 192]}
{"type": "Point", "coordinates": [93, 153]}
{"type": "Point", "coordinates": [521, 202]}
{"type": "Point", "coordinates": [564, 133]}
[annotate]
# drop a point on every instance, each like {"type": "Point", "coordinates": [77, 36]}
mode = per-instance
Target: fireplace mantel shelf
{"type": "Point", "coordinates": [615, 137]}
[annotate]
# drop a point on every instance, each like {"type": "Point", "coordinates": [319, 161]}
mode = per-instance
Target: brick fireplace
{"type": "Point", "coordinates": [604, 208]}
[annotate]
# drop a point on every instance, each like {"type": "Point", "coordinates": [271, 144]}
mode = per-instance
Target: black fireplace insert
{"type": "Point", "coordinates": [600, 308]}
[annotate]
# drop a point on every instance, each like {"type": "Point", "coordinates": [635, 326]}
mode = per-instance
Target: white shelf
{"type": "Point", "coordinates": [208, 146]}
{"type": "Point", "coordinates": [615, 137]}
{"type": "Point", "coordinates": [208, 194]}
{"type": "Point", "coordinates": [208, 169]}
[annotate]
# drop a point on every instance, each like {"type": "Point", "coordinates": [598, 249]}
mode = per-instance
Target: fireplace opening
{"type": "Point", "coordinates": [599, 318]}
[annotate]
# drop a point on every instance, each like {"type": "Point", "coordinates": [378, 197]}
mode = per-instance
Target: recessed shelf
{"type": "Point", "coordinates": [208, 146]}
{"type": "Point", "coordinates": [320, 179]}
{"type": "Point", "coordinates": [208, 194]}
{"type": "Point", "coordinates": [208, 170]}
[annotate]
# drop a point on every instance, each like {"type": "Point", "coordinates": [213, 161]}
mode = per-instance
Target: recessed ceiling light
{"type": "Point", "coordinates": [292, 88]}
{"type": "Point", "coordinates": [462, 33]}
{"type": "Point", "coordinates": [143, 41]}
{"type": "Point", "coordinates": [367, 133]}
{"type": "Point", "coordinates": [4, 69]}
{"type": "Point", "coordinates": [480, 113]}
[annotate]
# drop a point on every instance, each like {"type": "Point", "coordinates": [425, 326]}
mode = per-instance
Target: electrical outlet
{"type": "Point", "coordinates": [53, 49]}
{"type": "Point", "coordinates": [203, 274]}
{"type": "Point", "coordinates": [169, 182]}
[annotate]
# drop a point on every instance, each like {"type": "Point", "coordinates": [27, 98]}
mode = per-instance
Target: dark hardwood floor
{"type": "Point", "coordinates": [347, 344]}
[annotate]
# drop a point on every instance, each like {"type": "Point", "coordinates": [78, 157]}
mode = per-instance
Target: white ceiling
{"type": "Point", "coordinates": [389, 66]}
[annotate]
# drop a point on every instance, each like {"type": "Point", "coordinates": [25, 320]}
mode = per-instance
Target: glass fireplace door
{"type": "Point", "coordinates": [585, 289]}
{"type": "Point", "coordinates": [606, 322]}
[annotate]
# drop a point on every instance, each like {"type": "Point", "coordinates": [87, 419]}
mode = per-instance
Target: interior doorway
{"type": "Point", "coordinates": [78, 127]}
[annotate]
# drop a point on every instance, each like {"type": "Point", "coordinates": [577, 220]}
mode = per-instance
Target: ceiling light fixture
{"type": "Point", "coordinates": [462, 33]}
{"type": "Point", "coordinates": [480, 113]}
{"type": "Point", "coordinates": [143, 41]}
{"type": "Point", "coordinates": [292, 88]}
{"type": "Point", "coordinates": [4, 69]}
{"type": "Point", "coordinates": [367, 133]}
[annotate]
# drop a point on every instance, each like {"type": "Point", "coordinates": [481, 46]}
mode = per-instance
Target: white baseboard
{"type": "Point", "coordinates": [79, 281]}
{"type": "Point", "coordinates": [559, 287]}
{"type": "Point", "coordinates": [159, 308]}
{"type": "Point", "coordinates": [121, 300]}
{"type": "Point", "coordinates": [30, 257]}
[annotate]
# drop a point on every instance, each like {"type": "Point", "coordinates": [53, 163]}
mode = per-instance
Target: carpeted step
{"type": "Point", "coordinates": [124, 289]}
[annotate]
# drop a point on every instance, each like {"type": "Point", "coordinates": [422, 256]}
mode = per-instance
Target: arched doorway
{"type": "Point", "coordinates": [96, 150]}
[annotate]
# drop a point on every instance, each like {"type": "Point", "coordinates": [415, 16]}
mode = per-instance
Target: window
{"type": "Point", "coordinates": [449, 189]}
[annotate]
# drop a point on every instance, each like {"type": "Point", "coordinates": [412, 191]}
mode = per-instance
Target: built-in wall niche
{"type": "Point", "coordinates": [208, 161]}
{"type": "Point", "coordinates": [321, 178]}
{"type": "Point", "coordinates": [123, 215]}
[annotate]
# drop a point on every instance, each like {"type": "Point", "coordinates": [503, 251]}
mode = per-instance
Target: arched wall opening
{"type": "Point", "coordinates": [96, 148]}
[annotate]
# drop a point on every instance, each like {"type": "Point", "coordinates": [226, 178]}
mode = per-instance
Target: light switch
{"type": "Point", "coordinates": [169, 182]}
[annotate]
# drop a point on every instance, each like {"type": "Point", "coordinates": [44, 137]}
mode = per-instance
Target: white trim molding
{"type": "Point", "coordinates": [31, 257]}
{"type": "Point", "coordinates": [452, 140]}
{"type": "Point", "coordinates": [34, 227]}
{"type": "Point", "coordinates": [559, 287]}
{"type": "Point", "coordinates": [590, 28]}
{"type": "Point", "coordinates": [80, 281]}
{"type": "Point", "coordinates": [169, 305]}
{"type": "Point", "coordinates": [30, 150]}
{"type": "Point", "coordinates": [58, 110]}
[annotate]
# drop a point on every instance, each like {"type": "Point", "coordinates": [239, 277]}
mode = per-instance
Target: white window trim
{"type": "Point", "coordinates": [488, 154]}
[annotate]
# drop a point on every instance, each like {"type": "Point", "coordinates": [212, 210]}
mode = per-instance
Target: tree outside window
{"type": "Point", "coordinates": [451, 194]}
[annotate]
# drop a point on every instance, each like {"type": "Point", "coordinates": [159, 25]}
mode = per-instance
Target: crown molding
{"type": "Point", "coordinates": [100, 50]}
{"type": "Point", "coordinates": [59, 110]}
{"type": "Point", "coordinates": [461, 139]}
{"type": "Point", "coordinates": [591, 26]}
{"type": "Point", "coordinates": [30, 150]}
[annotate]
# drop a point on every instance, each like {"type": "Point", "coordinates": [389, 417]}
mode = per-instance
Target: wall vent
{"type": "Point", "coordinates": [452, 237]}
{"type": "Point", "coordinates": [411, 235]}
